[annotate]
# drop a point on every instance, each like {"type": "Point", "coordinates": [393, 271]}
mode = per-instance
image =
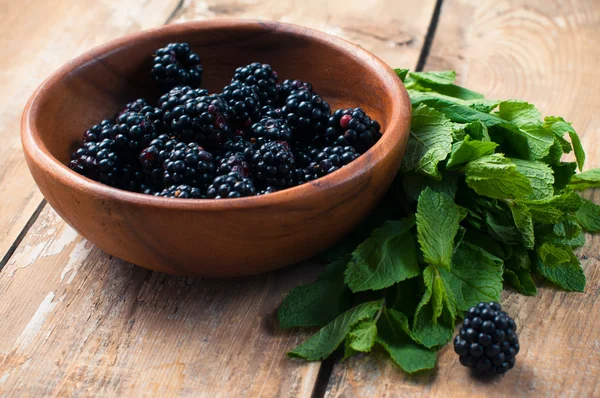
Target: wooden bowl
{"type": "Point", "coordinates": [227, 237]}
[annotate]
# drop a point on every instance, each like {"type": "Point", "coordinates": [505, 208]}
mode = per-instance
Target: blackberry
{"type": "Point", "coordinates": [234, 162]}
{"type": "Point", "coordinates": [272, 130]}
{"type": "Point", "coordinates": [273, 165]}
{"type": "Point", "coordinates": [98, 161]}
{"type": "Point", "coordinates": [231, 185]}
{"type": "Point", "coordinates": [176, 65]}
{"type": "Point", "coordinates": [178, 96]}
{"type": "Point", "coordinates": [203, 120]}
{"type": "Point", "coordinates": [153, 157]}
{"type": "Point", "coordinates": [286, 88]}
{"type": "Point", "coordinates": [133, 131]}
{"type": "Point", "coordinates": [135, 106]}
{"type": "Point", "coordinates": [141, 107]}
{"type": "Point", "coordinates": [134, 180]}
{"type": "Point", "coordinates": [332, 158]}
{"type": "Point", "coordinates": [270, 112]}
{"type": "Point", "coordinates": [305, 175]}
{"type": "Point", "coordinates": [306, 155]}
{"type": "Point", "coordinates": [267, 190]}
{"type": "Point", "coordinates": [487, 340]}
{"type": "Point", "coordinates": [244, 102]}
{"type": "Point", "coordinates": [190, 165]}
{"type": "Point", "coordinates": [238, 145]}
{"type": "Point", "coordinates": [262, 77]}
{"type": "Point", "coordinates": [306, 114]}
{"type": "Point", "coordinates": [182, 192]}
{"type": "Point", "coordinates": [353, 127]}
{"type": "Point", "coordinates": [98, 132]}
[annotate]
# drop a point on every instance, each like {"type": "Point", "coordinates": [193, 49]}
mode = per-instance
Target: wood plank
{"type": "Point", "coordinates": [76, 321]}
{"type": "Point", "coordinates": [546, 53]}
{"type": "Point", "coordinates": [37, 38]}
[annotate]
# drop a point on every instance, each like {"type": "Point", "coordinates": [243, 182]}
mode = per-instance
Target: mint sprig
{"type": "Point", "coordinates": [483, 201]}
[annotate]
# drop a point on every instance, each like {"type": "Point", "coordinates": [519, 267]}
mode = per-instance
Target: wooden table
{"type": "Point", "coordinates": [75, 321]}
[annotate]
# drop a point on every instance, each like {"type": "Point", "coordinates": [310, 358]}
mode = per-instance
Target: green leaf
{"type": "Point", "coordinates": [502, 229]}
{"type": "Point", "coordinates": [414, 184]}
{"type": "Point", "coordinates": [361, 338]}
{"type": "Point", "coordinates": [559, 126]}
{"type": "Point", "coordinates": [468, 150]}
{"type": "Point", "coordinates": [478, 131]}
{"type": "Point", "coordinates": [521, 281]}
{"type": "Point", "coordinates": [395, 338]}
{"type": "Point", "coordinates": [430, 333]}
{"type": "Point", "coordinates": [524, 223]}
{"type": "Point", "coordinates": [585, 180]}
{"type": "Point", "coordinates": [562, 174]}
{"type": "Point", "coordinates": [539, 174]}
{"type": "Point", "coordinates": [475, 276]}
{"type": "Point", "coordinates": [388, 256]}
{"type": "Point", "coordinates": [553, 256]}
{"type": "Point", "coordinates": [401, 73]}
{"type": "Point", "coordinates": [589, 216]}
{"type": "Point", "coordinates": [429, 143]}
{"type": "Point", "coordinates": [438, 219]}
{"type": "Point", "coordinates": [485, 242]}
{"type": "Point", "coordinates": [569, 275]}
{"type": "Point", "coordinates": [325, 341]}
{"type": "Point", "coordinates": [316, 304]}
{"type": "Point", "coordinates": [551, 210]}
{"type": "Point", "coordinates": [497, 177]}
{"type": "Point", "coordinates": [442, 82]}
{"type": "Point", "coordinates": [520, 113]}
{"type": "Point", "coordinates": [443, 77]}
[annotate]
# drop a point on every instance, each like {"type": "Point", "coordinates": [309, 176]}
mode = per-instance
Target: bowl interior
{"type": "Point", "coordinates": [97, 85]}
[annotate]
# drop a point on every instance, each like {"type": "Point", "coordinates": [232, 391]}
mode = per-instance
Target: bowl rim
{"type": "Point", "coordinates": [36, 152]}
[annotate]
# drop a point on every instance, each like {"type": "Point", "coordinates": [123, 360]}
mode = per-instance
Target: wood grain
{"type": "Point", "coordinates": [546, 53]}
{"type": "Point", "coordinates": [38, 37]}
{"type": "Point", "coordinates": [77, 322]}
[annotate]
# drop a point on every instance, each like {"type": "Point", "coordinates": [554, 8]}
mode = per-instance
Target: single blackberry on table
{"type": "Point", "coordinates": [273, 165]}
{"type": "Point", "coordinates": [353, 127]}
{"type": "Point", "coordinates": [262, 77]}
{"type": "Point", "coordinates": [203, 120]}
{"type": "Point", "coordinates": [487, 340]}
{"type": "Point", "coordinates": [98, 161]}
{"type": "Point", "coordinates": [270, 112]}
{"type": "Point", "coordinates": [244, 102]}
{"type": "Point", "coordinates": [233, 162]}
{"type": "Point", "coordinates": [133, 131]}
{"type": "Point", "coordinates": [153, 157]}
{"type": "Point", "coordinates": [231, 185]}
{"type": "Point", "coordinates": [176, 65]}
{"type": "Point", "coordinates": [181, 192]}
{"type": "Point", "coordinates": [306, 114]}
{"type": "Point", "coordinates": [332, 158]}
{"type": "Point", "coordinates": [189, 164]}
{"type": "Point", "coordinates": [98, 132]}
{"type": "Point", "coordinates": [272, 130]}
{"type": "Point", "coordinates": [306, 155]}
{"type": "Point", "coordinates": [288, 86]}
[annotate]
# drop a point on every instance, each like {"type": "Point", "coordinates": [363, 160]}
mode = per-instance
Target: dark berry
{"type": "Point", "coordinates": [272, 130]}
{"type": "Point", "coordinates": [332, 158]}
{"type": "Point", "coordinates": [304, 175]}
{"type": "Point", "coordinates": [98, 132]}
{"type": "Point", "coordinates": [238, 145]}
{"type": "Point", "coordinates": [243, 101]}
{"type": "Point", "coordinates": [135, 180]}
{"type": "Point", "coordinates": [288, 86]}
{"type": "Point", "coordinates": [270, 112]}
{"type": "Point", "coordinates": [353, 127]}
{"type": "Point", "coordinates": [182, 192]}
{"type": "Point", "coordinates": [189, 165]}
{"type": "Point", "coordinates": [98, 161]}
{"type": "Point", "coordinates": [133, 131]}
{"type": "Point", "coordinates": [176, 65]}
{"type": "Point", "coordinates": [306, 114]}
{"type": "Point", "coordinates": [306, 155]}
{"type": "Point", "coordinates": [273, 165]}
{"type": "Point", "coordinates": [262, 77]}
{"type": "Point", "coordinates": [493, 345]}
{"type": "Point", "coordinates": [267, 190]}
{"type": "Point", "coordinates": [152, 158]}
{"type": "Point", "coordinates": [233, 162]}
{"type": "Point", "coordinates": [135, 106]}
{"type": "Point", "coordinates": [232, 185]}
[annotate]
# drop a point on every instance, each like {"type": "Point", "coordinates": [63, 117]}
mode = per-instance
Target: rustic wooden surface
{"type": "Point", "coordinates": [546, 53]}
{"type": "Point", "coordinates": [77, 322]}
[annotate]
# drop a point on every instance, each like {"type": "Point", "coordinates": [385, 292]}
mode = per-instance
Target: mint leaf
{"type": "Point", "coordinates": [497, 177]}
{"type": "Point", "coordinates": [388, 256]}
{"type": "Point", "coordinates": [524, 223]}
{"type": "Point", "coordinates": [429, 143]}
{"type": "Point", "coordinates": [551, 210]}
{"type": "Point", "coordinates": [443, 78]}
{"type": "Point", "coordinates": [520, 113]}
{"type": "Point", "coordinates": [316, 304]}
{"type": "Point", "coordinates": [475, 276]}
{"type": "Point", "coordinates": [414, 184]}
{"type": "Point", "coordinates": [559, 126]}
{"type": "Point", "coordinates": [361, 338]}
{"type": "Point", "coordinates": [521, 281]}
{"type": "Point", "coordinates": [401, 73]}
{"type": "Point", "coordinates": [585, 180]}
{"type": "Point", "coordinates": [588, 216]}
{"type": "Point", "coordinates": [553, 256]}
{"type": "Point", "coordinates": [395, 338]}
{"type": "Point", "coordinates": [569, 275]}
{"type": "Point", "coordinates": [437, 224]}
{"type": "Point", "coordinates": [478, 131]}
{"type": "Point", "coordinates": [468, 150]}
{"type": "Point", "coordinates": [442, 83]}
{"type": "Point", "coordinates": [430, 333]}
{"type": "Point", "coordinates": [320, 345]}
{"type": "Point", "coordinates": [502, 229]}
{"type": "Point", "coordinates": [562, 174]}
{"type": "Point", "coordinates": [539, 174]}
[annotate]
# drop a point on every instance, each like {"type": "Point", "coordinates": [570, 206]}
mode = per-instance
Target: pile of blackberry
{"type": "Point", "coordinates": [256, 137]}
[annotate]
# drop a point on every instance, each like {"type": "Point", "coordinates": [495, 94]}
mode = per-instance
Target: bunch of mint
{"type": "Point", "coordinates": [483, 200]}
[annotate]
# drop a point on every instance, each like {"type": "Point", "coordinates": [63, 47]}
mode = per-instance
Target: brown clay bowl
{"type": "Point", "coordinates": [227, 237]}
